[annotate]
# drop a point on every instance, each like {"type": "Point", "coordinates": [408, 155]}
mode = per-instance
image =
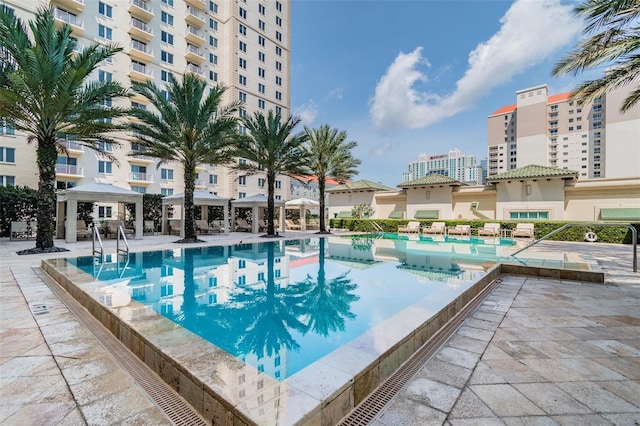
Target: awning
{"type": "Point", "coordinates": [624, 213]}
{"type": "Point", "coordinates": [396, 214]}
{"type": "Point", "coordinates": [426, 214]}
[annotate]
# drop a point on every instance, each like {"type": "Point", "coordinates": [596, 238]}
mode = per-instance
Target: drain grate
{"type": "Point", "coordinates": [177, 410]}
{"type": "Point", "coordinates": [369, 408]}
{"type": "Point", "coordinates": [38, 309]}
{"type": "Point", "coordinates": [502, 306]}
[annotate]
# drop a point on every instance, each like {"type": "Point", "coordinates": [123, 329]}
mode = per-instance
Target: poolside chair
{"type": "Point", "coordinates": [524, 230]}
{"type": "Point", "coordinates": [435, 228]}
{"type": "Point", "coordinates": [460, 230]}
{"type": "Point", "coordinates": [489, 230]}
{"type": "Point", "coordinates": [149, 227]}
{"type": "Point", "coordinates": [411, 228]}
{"type": "Point", "coordinates": [292, 225]}
{"type": "Point", "coordinates": [174, 227]}
{"type": "Point", "coordinates": [82, 230]}
{"type": "Point", "coordinates": [203, 227]}
{"type": "Point", "coordinates": [242, 225]}
{"type": "Point", "coordinates": [112, 228]}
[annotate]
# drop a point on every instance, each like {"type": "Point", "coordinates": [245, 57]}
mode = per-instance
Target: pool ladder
{"type": "Point", "coordinates": [634, 238]}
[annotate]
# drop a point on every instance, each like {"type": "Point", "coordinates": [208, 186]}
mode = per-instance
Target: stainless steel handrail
{"type": "Point", "coordinates": [95, 235]}
{"type": "Point", "coordinates": [634, 237]}
{"type": "Point", "coordinates": [119, 235]}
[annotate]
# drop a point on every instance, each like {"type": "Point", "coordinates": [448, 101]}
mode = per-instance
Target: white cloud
{"type": "Point", "coordinates": [307, 112]}
{"type": "Point", "coordinates": [381, 150]}
{"type": "Point", "coordinates": [530, 32]}
{"type": "Point", "coordinates": [336, 93]}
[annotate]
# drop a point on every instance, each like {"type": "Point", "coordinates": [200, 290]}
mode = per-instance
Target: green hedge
{"type": "Point", "coordinates": [606, 234]}
{"type": "Point", "coordinates": [16, 204]}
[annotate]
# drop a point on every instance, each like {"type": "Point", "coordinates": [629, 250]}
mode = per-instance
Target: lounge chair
{"type": "Point", "coordinates": [242, 225]}
{"type": "Point", "coordinates": [82, 230]}
{"type": "Point", "coordinates": [435, 228]}
{"type": "Point", "coordinates": [489, 230]}
{"type": "Point", "coordinates": [292, 225]}
{"type": "Point", "coordinates": [112, 228]}
{"type": "Point", "coordinates": [149, 227]}
{"type": "Point", "coordinates": [174, 227]}
{"type": "Point", "coordinates": [524, 230]}
{"type": "Point", "coordinates": [203, 227]}
{"type": "Point", "coordinates": [460, 230]}
{"type": "Point", "coordinates": [411, 228]}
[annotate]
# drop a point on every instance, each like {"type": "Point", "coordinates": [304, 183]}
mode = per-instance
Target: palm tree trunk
{"type": "Point", "coordinates": [47, 156]}
{"type": "Point", "coordinates": [321, 188]}
{"type": "Point", "coordinates": [189, 214]}
{"type": "Point", "coordinates": [271, 177]}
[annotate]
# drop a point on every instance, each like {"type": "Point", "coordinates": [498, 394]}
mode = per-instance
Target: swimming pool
{"type": "Point", "coordinates": [293, 331]}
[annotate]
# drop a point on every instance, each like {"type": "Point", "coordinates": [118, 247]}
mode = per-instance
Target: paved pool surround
{"type": "Point", "coordinates": [321, 394]}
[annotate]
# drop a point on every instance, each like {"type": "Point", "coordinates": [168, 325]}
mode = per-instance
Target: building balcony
{"type": "Point", "coordinates": [141, 9]}
{"type": "Point", "coordinates": [140, 30]}
{"type": "Point", "coordinates": [140, 159]}
{"type": "Point", "coordinates": [198, 4]}
{"type": "Point", "coordinates": [200, 184]}
{"type": "Point", "coordinates": [194, 36]}
{"type": "Point", "coordinates": [69, 171]}
{"type": "Point", "coordinates": [140, 51]}
{"type": "Point", "coordinates": [72, 146]}
{"type": "Point", "coordinates": [194, 54]}
{"type": "Point", "coordinates": [73, 5]}
{"type": "Point", "coordinates": [195, 70]}
{"type": "Point", "coordinates": [140, 177]}
{"type": "Point", "coordinates": [140, 73]}
{"type": "Point", "coordinates": [195, 17]}
{"type": "Point", "coordinates": [62, 16]}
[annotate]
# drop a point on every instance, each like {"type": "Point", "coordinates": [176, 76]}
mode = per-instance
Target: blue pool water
{"type": "Point", "coordinates": [282, 305]}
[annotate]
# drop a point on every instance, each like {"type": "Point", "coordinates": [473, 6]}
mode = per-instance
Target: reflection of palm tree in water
{"type": "Point", "coordinates": [327, 302]}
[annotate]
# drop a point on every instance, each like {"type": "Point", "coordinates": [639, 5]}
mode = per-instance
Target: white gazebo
{"type": "Point", "coordinates": [303, 204]}
{"type": "Point", "coordinates": [91, 193]}
{"type": "Point", "coordinates": [254, 202]}
{"type": "Point", "coordinates": [200, 198]}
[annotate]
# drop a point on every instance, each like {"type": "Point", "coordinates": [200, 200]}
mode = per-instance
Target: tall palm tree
{"type": "Point", "coordinates": [328, 156]}
{"type": "Point", "coordinates": [46, 92]}
{"type": "Point", "coordinates": [270, 147]}
{"type": "Point", "coordinates": [189, 127]}
{"type": "Point", "coordinates": [615, 43]}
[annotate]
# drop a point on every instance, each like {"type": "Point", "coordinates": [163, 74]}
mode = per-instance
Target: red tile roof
{"type": "Point", "coordinates": [505, 109]}
{"type": "Point", "coordinates": [558, 98]}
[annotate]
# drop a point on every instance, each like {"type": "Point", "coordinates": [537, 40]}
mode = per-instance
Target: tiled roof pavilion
{"type": "Point", "coordinates": [360, 185]}
{"type": "Point", "coordinates": [433, 179]}
{"type": "Point", "coordinates": [533, 171]}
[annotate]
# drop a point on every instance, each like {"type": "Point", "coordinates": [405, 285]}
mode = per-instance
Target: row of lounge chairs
{"type": "Point", "coordinates": [525, 230]}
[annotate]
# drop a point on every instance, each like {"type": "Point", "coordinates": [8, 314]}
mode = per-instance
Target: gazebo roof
{"type": "Point", "coordinates": [254, 200]}
{"type": "Point", "coordinates": [200, 197]}
{"type": "Point", "coordinates": [359, 185]}
{"type": "Point", "coordinates": [300, 202]}
{"type": "Point", "coordinates": [99, 192]}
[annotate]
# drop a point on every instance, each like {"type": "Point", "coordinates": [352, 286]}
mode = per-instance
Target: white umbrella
{"type": "Point", "coordinates": [302, 204]}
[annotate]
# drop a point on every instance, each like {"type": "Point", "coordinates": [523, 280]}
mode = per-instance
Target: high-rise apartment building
{"type": "Point", "coordinates": [453, 164]}
{"type": "Point", "coordinates": [243, 45]}
{"type": "Point", "coordinates": [594, 139]}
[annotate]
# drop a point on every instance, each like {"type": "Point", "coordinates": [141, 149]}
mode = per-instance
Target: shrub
{"type": "Point", "coordinates": [16, 204]}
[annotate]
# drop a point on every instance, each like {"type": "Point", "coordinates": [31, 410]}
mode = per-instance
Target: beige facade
{"type": "Point", "coordinates": [243, 45]}
{"type": "Point", "coordinates": [552, 130]}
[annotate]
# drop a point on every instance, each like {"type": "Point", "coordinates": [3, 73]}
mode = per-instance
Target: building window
{"type": "Point", "coordinates": [166, 37]}
{"type": "Point", "coordinates": [242, 180]}
{"type": "Point", "coordinates": [261, 56]}
{"type": "Point", "coordinates": [166, 18]}
{"type": "Point", "coordinates": [278, 36]}
{"type": "Point", "coordinates": [168, 2]}
{"type": "Point", "coordinates": [535, 215]}
{"type": "Point", "coordinates": [104, 76]}
{"type": "Point", "coordinates": [166, 174]}
{"type": "Point", "coordinates": [6, 128]}
{"type": "Point", "coordinates": [166, 57]}
{"type": "Point", "coordinates": [597, 125]}
{"type": "Point", "coordinates": [213, 7]}
{"type": "Point", "coordinates": [105, 167]}
{"type": "Point", "coordinates": [278, 21]}
{"type": "Point", "coordinates": [278, 110]}
{"type": "Point", "coordinates": [261, 40]}
{"type": "Point", "coordinates": [213, 179]}
{"type": "Point", "coordinates": [242, 63]}
{"type": "Point", "coordinates": [261, 25]}
{"type": "Point", "coordinates": [213, 76]}
{"type": "Point", "coordinates": [105, 9]}
{"type": "Point", "coordinates": [213, 24]}
{"type": "Point", "coordinates": [242, 46]}
{"type": "Point", "coordinates": [278, 184]}
{"type": "Point", "coordinates": [7, 180]}
{"type": "Point", "coordinates": [139, 189]}
{"type": "Point", "coordinates": [260, 87]}
{"type": "Point", "coordinates": [242, 29]}
{"type": "Point", "coordinates": [7, 155]}
{"type": "Point", "coordinates": [279, 66]}
{"type": "Point", "coordinates": [243, 13]}
{"type": "Point", "coordinates": [105, 32]}
{"type": "Point", "coordinates": [278, 81]}
{"type": "Point", "coordinates": [165, 192]}
{"type": "Point", "coordinates": [165, 75]}
{"type": "Point", "coordinates": [261, 182]}
{"type": "Point", "coordinates": [106, 146]}
{"type": "Point", "coordinates": [105, 212]}
{"type": "Point", "coordinates": [242, 80]}
{"type": "Point", "coordinates": [261, 104]}
{"type": "Point", "coordinates": [278, 95]}
{"type": "Point", "coordinates": [242, 96]}
{"type": "Point", "coordinates": [261, 9]}
{"type": "Point", "coordinates": [213, 42]}
{"type": "Point", "coordinates": [213, 59]}
{"type": "Point", "coordinates": [279, 6]}
{"type": "Point", "coordinates": [242, 195]}
{"type": "Point", "coordinates": [278, 50]}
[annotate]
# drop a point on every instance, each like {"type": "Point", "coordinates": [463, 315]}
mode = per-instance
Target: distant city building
{"type": "Point", "coordinates": [595, 138]}
{"type": "Point", "coordinates": [307, 187]}
{"type": "Point", "coordinates": [453, 164]}
{"type": "Point", "coordinates": [244, 46]}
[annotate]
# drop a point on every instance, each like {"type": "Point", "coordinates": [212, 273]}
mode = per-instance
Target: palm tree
{"type": "Point", "coordinates": [271, 148]}
{"type": "Point", "coordinates": [190, 127]}
{"type": "Point", "coordinates": [45, 92]}
{"type": "Point", "coordinates": [329, 156]}
{"type": "Point", "coordinates": [615, 43]}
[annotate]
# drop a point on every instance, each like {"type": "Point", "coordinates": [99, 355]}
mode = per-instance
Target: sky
{"type": "Point", "coordinates": [409, 77]}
